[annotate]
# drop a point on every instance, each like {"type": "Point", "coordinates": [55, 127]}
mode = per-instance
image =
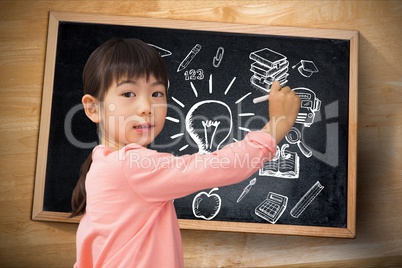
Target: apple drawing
{"type": "Point", "coordinates": [207, 205]}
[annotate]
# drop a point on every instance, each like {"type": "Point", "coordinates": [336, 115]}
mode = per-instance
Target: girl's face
{"type": "Point", "coordinates": [133, 111]}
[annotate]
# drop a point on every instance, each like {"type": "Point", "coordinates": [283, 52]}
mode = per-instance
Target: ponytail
{"type": "Point", "coordinates": [79, 197]}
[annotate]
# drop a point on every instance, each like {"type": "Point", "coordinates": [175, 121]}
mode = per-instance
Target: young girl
{"type": "Point", "coordinates": [125, 190]}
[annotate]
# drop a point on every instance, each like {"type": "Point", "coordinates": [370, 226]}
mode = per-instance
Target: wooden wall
{"type": "Point", "coordinates": [23, 32]}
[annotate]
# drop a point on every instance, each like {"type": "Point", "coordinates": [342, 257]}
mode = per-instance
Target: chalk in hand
{"type": "Point", "coordinates": [261, 99]}
{"type": "Point", "coordinates": [265, 97]}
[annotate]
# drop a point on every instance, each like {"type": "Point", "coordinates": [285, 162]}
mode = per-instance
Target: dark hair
{"type": "Point", "coordinates": [112, 61]}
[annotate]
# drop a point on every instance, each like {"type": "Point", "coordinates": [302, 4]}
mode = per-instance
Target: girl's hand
{"type": "Point", "coordinates": [284, 105]}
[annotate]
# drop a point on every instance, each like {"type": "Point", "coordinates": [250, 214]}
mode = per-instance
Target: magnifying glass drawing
{"type": "Point", "coordinates": [294, 137]}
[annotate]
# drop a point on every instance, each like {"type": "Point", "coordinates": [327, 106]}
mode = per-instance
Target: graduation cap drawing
{"type": "Point", "coordinates": [306, 68]}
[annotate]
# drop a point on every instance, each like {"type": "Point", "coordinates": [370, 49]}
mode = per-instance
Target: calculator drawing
{"type": "Point", "coordinates": [272, 208]}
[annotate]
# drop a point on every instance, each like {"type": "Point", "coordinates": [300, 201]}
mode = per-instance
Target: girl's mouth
{"type": "Point", "coordinates": [143, 128]}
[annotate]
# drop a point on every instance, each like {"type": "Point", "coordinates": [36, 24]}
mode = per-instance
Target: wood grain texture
{"type": "Point", "coordinates": [23, 33]}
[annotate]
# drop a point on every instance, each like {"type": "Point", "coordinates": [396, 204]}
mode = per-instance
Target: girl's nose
{"type": "Point", "coordinates": [144, 107]}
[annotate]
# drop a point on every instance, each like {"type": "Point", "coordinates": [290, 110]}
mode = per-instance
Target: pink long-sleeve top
{"type": "Point", "coordinates": [130, 219]}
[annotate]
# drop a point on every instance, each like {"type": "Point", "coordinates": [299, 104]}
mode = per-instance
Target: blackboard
{"type": "Point", "coordinates": [215, 71]}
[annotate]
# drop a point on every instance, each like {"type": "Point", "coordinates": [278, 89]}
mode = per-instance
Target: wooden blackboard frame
{"type": "Point", "coordinates": [55, 18]}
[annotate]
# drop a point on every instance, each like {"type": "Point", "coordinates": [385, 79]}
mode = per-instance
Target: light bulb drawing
{"type": "Point", "coordinates": [209, 132]}
{"type": "Point", "coordinates": [208, 124]}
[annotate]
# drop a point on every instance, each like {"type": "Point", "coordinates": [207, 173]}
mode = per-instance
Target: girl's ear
{"type": "Point", "coordinates": [91, 107]}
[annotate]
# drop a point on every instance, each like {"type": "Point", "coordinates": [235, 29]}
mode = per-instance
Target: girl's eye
{"type": "Point", "coordinates": [157, 94]}
{"type": "Point", "coordinates": [128, 94]}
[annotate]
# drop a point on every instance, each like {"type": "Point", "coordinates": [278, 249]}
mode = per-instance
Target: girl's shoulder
{"type": "Point", "coordinates": [102, 151]}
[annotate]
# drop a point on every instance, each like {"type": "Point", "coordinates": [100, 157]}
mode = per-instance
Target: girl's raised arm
{"type": "Point", "coordinates": [284, 105]}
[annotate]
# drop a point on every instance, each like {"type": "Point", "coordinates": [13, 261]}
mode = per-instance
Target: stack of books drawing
{"type": "Point", "coordinates": [267, 67]}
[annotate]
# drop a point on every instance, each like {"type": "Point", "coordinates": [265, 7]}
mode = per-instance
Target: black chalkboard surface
{"type": "Point", "coordinates": [215, 72]}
